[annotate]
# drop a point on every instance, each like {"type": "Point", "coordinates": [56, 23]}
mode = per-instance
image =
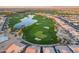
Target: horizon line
{"type": "Point", "coordinates": [39, 6]}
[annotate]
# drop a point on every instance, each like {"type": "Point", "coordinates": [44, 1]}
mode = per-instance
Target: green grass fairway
{"type": "Point", "coordinates": [42, 32]}
{"type": "Point", "coordinates": [14, 19]}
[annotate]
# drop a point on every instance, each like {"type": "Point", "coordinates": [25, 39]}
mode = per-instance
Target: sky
{"type": "Point", "coordinates": [39, 2]}
{"type": "Point", "coordinates": [39, 6]}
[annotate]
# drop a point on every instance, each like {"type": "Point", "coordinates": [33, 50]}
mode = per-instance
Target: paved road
{"type": "Point", "coordinates": [1, 24]}
{"type": "Point", "coordinates": [5, 23]}
{"type": "Point", "coordinates": [5, 44]}
{"type": "Point", "coordinates": [69, 23]}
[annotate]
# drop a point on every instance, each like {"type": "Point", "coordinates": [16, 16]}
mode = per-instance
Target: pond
{"type": "Point", "coordinates": [26, 21]}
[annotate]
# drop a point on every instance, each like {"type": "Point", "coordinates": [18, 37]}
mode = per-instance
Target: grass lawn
{"type": "Point", "coordinates": [15, 19]}
{"type": "Point", "coordinates": [42, 32]}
